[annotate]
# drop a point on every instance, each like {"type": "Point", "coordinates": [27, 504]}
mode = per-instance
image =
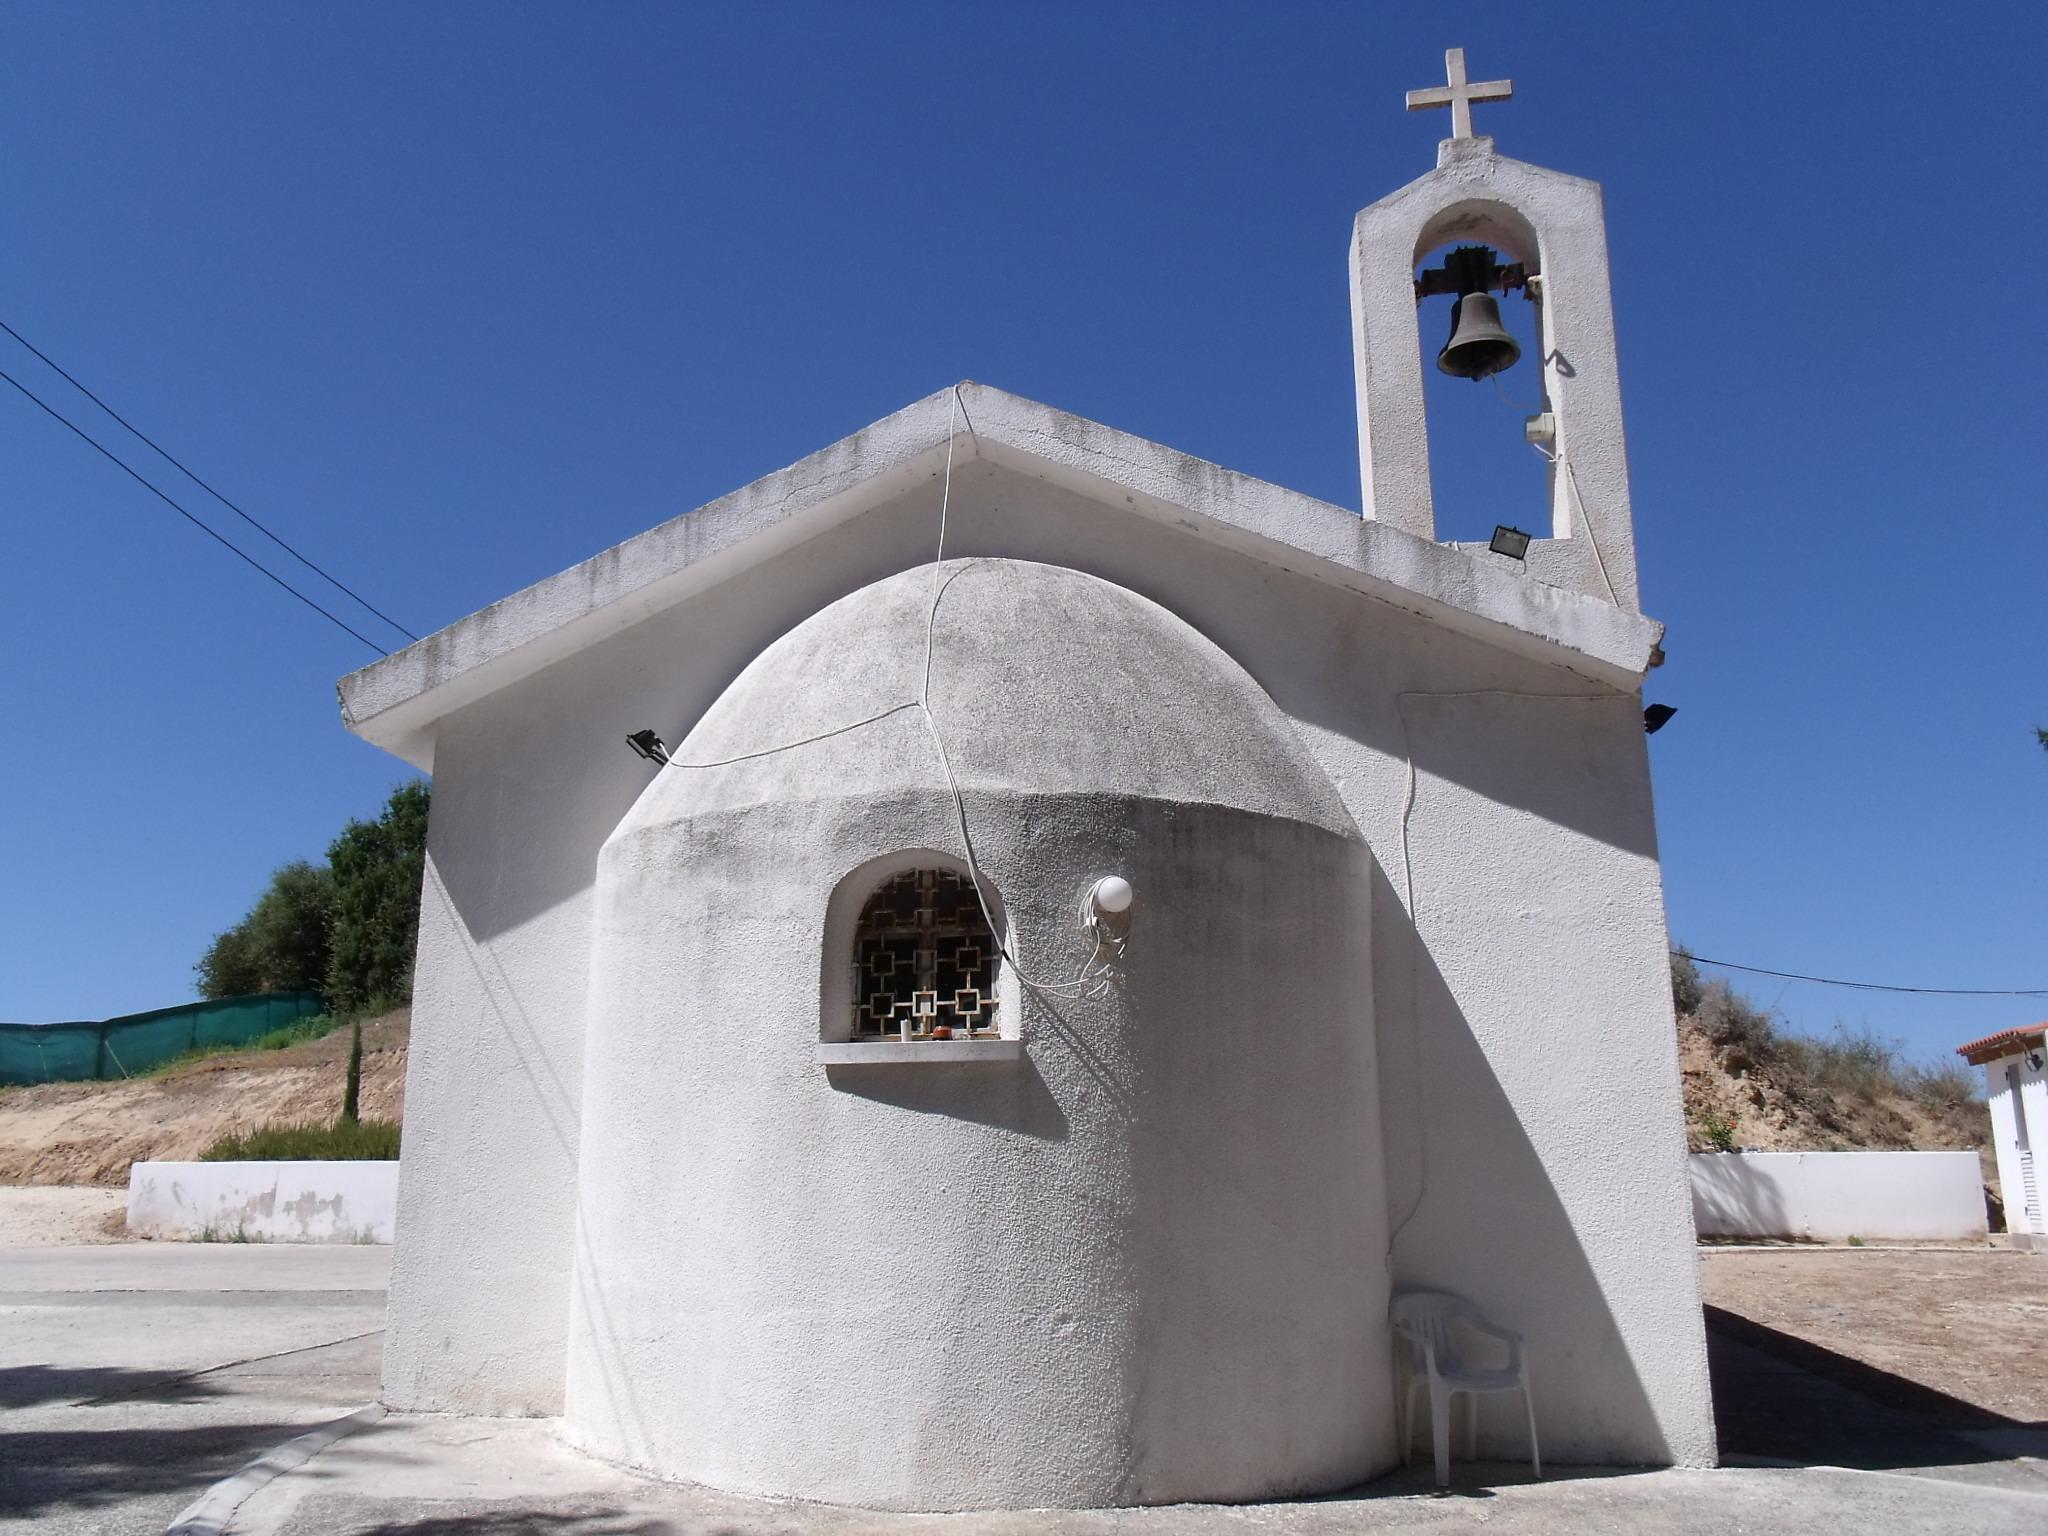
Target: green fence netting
{"type": "Point", "coordinates": [136, 1042]}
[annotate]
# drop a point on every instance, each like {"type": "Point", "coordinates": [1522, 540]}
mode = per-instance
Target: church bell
{"type": "Point", "coordinates": [1480, 345]}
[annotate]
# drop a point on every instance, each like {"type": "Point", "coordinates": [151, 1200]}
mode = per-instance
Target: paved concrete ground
{"type": "Point", "coordinates": [132, 1377]}
{"type": "Point", "coordinates": [452, 1477]}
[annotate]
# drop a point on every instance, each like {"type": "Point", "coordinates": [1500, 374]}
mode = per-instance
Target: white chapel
{"type": "Point", "coordinates": [968, 972]}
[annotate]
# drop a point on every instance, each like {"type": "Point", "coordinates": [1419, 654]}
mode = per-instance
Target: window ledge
{"type": "Point", "coordinates": [864, 1053]}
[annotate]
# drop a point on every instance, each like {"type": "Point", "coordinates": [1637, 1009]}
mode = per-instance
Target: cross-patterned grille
{"type": "Point", "coordinates": [924, 961]}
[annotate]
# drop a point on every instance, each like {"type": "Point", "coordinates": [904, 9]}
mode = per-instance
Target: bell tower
{"type": "Point", "coordinates": [1520, 229]}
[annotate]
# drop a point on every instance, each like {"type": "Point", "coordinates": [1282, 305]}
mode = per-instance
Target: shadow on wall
{"type": "Point", "coordinates": [1309, 645]}
{"type": "Point", "coordinates": [1731, 1197]}
{"type": "Point", "coordinates": [1478, 1216]}
{"type": "Point", "coordinates": [550, 754]}
{"type": "Point", "coordinates": [560, 1110]}
{"type": "Point", "coordinates": [1006, 1096]}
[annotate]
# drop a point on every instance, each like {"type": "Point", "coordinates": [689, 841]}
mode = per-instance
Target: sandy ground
{"type": "Point", "coordinates": [88, 1133]}
{"type": "Point", "coordinates": [1963, 1322]}
{"type": "Point", "coordinates": [38, 1216]}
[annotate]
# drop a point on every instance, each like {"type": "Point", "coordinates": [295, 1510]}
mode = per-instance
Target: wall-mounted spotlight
{"type": "Point", "coordinates": [1656, 717]}
{"type": "Point", "coordinates": [1111, 895]}
{"type": "Point", "coordinates": [648, 745]}
{"type": "Point", "coordinates": [1511, 542]}
{"type": "Point", "coordinates": [1106, 909]}
{"type": "Point", "coordinates": [2034, 1061]}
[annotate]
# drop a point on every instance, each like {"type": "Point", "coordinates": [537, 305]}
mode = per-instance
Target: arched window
{"type": "Point", "coordinates": [924, 961]}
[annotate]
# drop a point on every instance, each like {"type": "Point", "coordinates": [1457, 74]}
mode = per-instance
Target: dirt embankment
{"type": "Point", "coordinates": [1765, 1114]}
{"type": "Point", "coordinates": [88, 1133]}
{"type": "Point", "coordinates": [1768, 1116]}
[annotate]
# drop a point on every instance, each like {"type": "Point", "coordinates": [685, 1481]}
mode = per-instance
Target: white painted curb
{"type": "Point", "coordinates": [209, 1514]}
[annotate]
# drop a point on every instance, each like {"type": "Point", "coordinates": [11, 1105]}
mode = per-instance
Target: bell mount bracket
{"type": "Point", "coordinates": [1472, 269]}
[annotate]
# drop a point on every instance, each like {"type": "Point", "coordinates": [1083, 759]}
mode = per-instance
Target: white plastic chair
{"type": "Point", "coordinates": [1430, 1321]}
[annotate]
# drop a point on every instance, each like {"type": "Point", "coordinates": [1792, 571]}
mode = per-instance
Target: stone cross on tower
{"type": "Point", "coordinates": [1459, 96]}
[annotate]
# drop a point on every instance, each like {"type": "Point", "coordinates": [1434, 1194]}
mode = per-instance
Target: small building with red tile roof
{"type": "Point", "coordinates": [2016, 1089]}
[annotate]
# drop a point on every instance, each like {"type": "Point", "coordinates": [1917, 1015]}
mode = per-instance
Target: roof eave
{"type": "Point", "coordinates": [2009, 1042]}
{"type": "Point", "coordinates": [396, 702]}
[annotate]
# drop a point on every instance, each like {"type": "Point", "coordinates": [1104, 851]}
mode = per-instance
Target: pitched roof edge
{"type": "Point", "coordinates": [2007, 1042]}
{"type": "Point", "coordinates": [395, 702]}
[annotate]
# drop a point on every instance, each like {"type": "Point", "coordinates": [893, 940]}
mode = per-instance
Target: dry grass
{"type": "Point", "coordinates": [1777, 1091]}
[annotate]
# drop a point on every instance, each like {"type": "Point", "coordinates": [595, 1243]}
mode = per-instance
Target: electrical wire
{"type": "Point", "coordinates": [1099, 971]}
{"type": "Point", "coordinates": [1586, 522]}
{"type": "Point", "coordinates": [1571, 476]}
{"type": "Point", "coordinates": [1867, 986]}
{"type": "Point", "coordinates": [166, 454]}
{"type": "Point", "coordinates": [802, 741]}
{"type": "Point", "coordinates": [1091, 981]}
{"type": "Point", "coordinates": [1506, 398]}
{"type": "Point", "coordinates": [172, 503]}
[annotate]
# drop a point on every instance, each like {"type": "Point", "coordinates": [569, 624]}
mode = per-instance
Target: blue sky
{"type": "Point", "coordinates": [455, 296]}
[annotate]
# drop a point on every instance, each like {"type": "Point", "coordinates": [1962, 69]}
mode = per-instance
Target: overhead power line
{"type": "Point", "coordinates": [1869, 986]}
{"type": "Point", "coordinates": [172, 503]}
{"type": "Point", "coordinates": [165, 453]}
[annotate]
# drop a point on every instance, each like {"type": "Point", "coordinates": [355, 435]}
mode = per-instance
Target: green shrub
{"type": "Point", "coordinates": [215, 1232]}
{"type": "Point", "coordinates": [1719, 1130]}
{"type": "Point", "coordinates": [342, 1141]}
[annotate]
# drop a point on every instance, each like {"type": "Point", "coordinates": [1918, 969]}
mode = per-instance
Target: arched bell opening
{"type": "Point", "coordinates": [1480, 324]}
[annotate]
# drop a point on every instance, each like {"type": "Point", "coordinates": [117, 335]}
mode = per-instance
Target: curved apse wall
{"type": "Point", "coordinates": [1144, 1262]}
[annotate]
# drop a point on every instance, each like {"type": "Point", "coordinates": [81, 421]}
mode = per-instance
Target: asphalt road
{"type": "Point", "coordinates": [133, 1377]}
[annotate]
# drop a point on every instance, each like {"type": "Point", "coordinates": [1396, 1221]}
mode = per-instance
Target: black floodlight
{"type": "Point", "coordinates": [1655, 716]}
{"type": "Point", "coordinates": [1511, 542]}
{"type": "Point", "coordinates": [648, 745]}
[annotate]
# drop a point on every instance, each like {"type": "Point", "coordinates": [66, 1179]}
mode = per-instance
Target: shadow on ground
{"type": "Point", "coordinates": [527, 1522]}
{"type": "Point", "coordinates": [1785, 1399]}
{"type": "Point", "coordinates": [93, 1468]}
{"type": "Point", "coordinates": [28, 1386]}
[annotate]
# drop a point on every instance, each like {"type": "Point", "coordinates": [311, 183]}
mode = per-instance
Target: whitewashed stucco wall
{"type": "Point", "coordinates": [2006, 1107]}
{"type": "Point", "coordinates": [272, 1202]}
{"type": "Point", "coordinates": [1532, 1117]}
{"type": "Point", "coordinates": [1833, 1196]}
{"type": "Point", "coordinates": [1145, 1262]}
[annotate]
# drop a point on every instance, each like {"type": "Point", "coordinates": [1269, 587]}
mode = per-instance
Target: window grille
{"type": "Point", "coordinates": [924, 961]}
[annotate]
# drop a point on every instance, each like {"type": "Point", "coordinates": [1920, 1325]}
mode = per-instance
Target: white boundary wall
{"type": "Point", "coordinates": [286, 1202]}
{"type": "Point", "coordinates": [1836, 1195]}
